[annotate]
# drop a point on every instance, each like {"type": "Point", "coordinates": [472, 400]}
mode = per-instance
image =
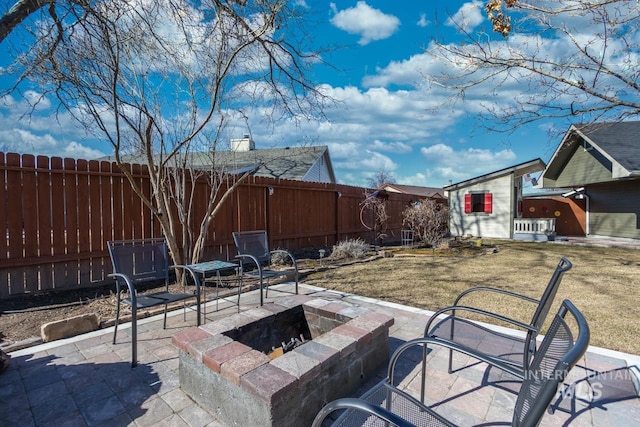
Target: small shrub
{"type": "Point", "coordinates": [280, 258]}
{"type": "Point", "coordinates": [352, 248]}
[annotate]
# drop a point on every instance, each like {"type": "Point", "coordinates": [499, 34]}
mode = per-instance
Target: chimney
{"type": "Point", "coordinates": [243, 144]}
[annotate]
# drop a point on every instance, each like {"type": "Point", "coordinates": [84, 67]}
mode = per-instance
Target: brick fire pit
{"type": "Point", "coordinates": [225, 365]}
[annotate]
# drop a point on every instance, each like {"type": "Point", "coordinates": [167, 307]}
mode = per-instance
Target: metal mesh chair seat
{"type": "Point", "coordinates": [476, 337]}
{"type": "Point", "coordinates": [158, 298]}
{"type": "Point", "coordinates": [410, 410]}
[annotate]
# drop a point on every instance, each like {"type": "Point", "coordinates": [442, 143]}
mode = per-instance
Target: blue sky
{"type": "Point", "coordinates": [385, 119]}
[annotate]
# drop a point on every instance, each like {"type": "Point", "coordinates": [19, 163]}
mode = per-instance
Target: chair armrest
{"type": "Point", "coordinates": [450, 345]}
{"type": "Point", "coordinates": [496, 316]}
{"type": "Point", "coordinates": [252, 258]}
{"type": "Point", "coordinates": [496, 290]}
{"type": "Point", "coordinates": [195, 277]}
{"type": "Point", "coordinates": [130, 285]}
{"type": "Point", "coordinates": [361, 406]}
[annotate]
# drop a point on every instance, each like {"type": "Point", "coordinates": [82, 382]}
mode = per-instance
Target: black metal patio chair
{"type": "Point", "coordinates": [144, 261]}
{"type": "Point", "coordinates": [476, 337]}
{"type": "Point", "coordinates": [253, 252]}
{"type": "Point", "coordinates": [385, 404]}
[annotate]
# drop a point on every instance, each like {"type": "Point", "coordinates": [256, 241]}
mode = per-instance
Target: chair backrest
{"type": "Point", "coordinates": [141, 259]}
{"type": "Point", "coordinates": [540, 315]}
{"type": "Point", "coordinates": [558, 353]}
{"type": "Point", "coordinates": [255, 243]}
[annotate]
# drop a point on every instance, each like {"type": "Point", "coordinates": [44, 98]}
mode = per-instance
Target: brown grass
{"type": "Point", "coordinates": [604, 283]}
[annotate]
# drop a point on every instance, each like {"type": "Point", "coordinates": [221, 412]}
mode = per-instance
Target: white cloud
{"type": "Point", "coordinates": [406, 72]}
{"type": "Point", "coordinates": [25, 142]}
{"type": "Point", "coordinates": [369, 23]}
{"type": "Point", "coordinates": [468, 17]}
{"type": "Point", "coordinates": [445, 163]}
{"type": "Point", "coordinates": [423, 21]}
{"type": "Point", "coordinates": [41, 131]}
{"type": "Point", "coordinates": [416, 179]}
{"type": "Point", "coordinates": [392, 147]}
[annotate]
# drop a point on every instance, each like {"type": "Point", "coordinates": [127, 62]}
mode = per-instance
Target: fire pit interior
{"type": "Point", "coordinates": [279, 364]}
{"type": "Point", "coordinates": [282, 332]}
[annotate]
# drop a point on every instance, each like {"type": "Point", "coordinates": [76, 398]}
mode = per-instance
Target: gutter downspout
{"type": "Point", "coordinates": [585, 196]}
{"type": "Point", "coordinates": [587, 214]}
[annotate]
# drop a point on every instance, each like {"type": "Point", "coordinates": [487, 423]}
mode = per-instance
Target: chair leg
{"type": "Point", "coordinates": [261, 295]}
{"type": "Point", "coordinates": [115, 328]}
{"type": "Point", "coordinates": [164, 324]}
{"type": "Point", "coordinates": [198, 309]}
{"type": "Point", "coordinates": [239, 292]}
{"type": "Point", "coordinates": [134, 336]}
{"type": "Point", "coordinates": [425, 351]}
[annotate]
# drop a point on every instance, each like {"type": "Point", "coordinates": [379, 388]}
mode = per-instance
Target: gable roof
{"type": "Point", "coordinates": [294, 163]}
{"type": "Point", "coordinates": [518, 170]}
{"type": "Point", "coordinates": [618, 142]}
{"type": "Point", "coordinates": [431, 192]}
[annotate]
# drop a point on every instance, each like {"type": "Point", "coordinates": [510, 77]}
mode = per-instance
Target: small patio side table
{"type": "Point", "coordinates": [210, 268]}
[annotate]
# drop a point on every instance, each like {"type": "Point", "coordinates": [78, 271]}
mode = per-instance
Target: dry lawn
{"type": "Point", "coordinates": [604, 283]}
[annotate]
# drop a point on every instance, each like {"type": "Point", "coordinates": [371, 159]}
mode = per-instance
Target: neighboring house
{"type": "Point", "coordinates": [486, 206]}
{"type": "Point", "coordinates": [600, 164]}
{"type": "Point", "coordinates": [423, 192]}
{"type": "Point", "coordinates": [312, 164]}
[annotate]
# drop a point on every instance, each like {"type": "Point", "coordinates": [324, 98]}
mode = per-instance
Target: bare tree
{"type": "Point", "coordinates": [428, 219]}
{"type": "Point", "coordinates": [375, 203]}
{"type": "Point", "coordinates": [159, 81]}
{"type": "Point", "coordinates": [380, 178]}
{"type": "Point", "coordinates": [575, 61]}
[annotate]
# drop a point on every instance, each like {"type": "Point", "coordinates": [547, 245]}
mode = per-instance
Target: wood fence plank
{"type": "Point", "coordinates": [127, 209]}
{"type": "Point", "coordinates": [84, 229]}
{"type": "Point", "coordinates": [15, 235]}
{"type": "Point", "coordinates": [72, 268]}
{"type": "Point", "coordinates": [95, 221]}
{"type": "Point", "coordinates": [136, 204]}
{"type": "Point", "coordinates": [30, 220]}
{"type": "Point", "coordinates": [106, 194]}
{"type": "Point", "coordinates": [45, 227]}
{"type": "Point", "coordinates": [117, 203]}
{"type": "Point", "coordinates": [58, 224]}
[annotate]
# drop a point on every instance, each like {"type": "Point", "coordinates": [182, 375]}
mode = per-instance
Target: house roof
{"type": "Point", "coordinates": [616, 141]}
{"type": "Point", "coordinates": [294, 163]}
{"type": "Point", "coordinates": [432, 192]}
{"type": "Point", "coordinates": [518, 170]}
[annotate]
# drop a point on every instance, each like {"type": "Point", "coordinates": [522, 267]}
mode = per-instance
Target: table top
{"type": "Point", "coordinates": [212, 266]}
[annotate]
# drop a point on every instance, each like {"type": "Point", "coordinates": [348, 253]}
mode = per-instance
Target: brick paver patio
{"type": "Point", "coordinates": [87, 381]}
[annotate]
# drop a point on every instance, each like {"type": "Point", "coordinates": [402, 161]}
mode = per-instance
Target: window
{"type": "Point", "coordinates": [478, 202]}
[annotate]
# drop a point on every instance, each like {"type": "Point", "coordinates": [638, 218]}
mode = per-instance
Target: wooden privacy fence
{"type": "Point", "coordinates": [59, 213]}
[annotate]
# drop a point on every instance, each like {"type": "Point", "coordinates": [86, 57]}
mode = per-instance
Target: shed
{"type": "Point", "coordinates": [486, 206]}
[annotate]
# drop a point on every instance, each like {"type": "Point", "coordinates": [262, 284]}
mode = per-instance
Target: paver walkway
{"type": "Point", "coordinates": [87, 381]}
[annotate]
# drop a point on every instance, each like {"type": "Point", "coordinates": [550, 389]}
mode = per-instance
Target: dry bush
{"type": "Point", "coordinates": [428, 219]}
{"type": "Point", "coordinates": [351, 248]}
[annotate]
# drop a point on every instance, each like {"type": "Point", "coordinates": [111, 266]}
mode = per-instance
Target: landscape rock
{"type": "Point", "coordinates": [69, 327]}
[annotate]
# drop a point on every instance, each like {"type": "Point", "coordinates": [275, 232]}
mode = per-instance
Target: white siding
{"type": "Point", "coordinates": [497, 224]}
{"type": "Point", "coordinates": [319, 172]}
